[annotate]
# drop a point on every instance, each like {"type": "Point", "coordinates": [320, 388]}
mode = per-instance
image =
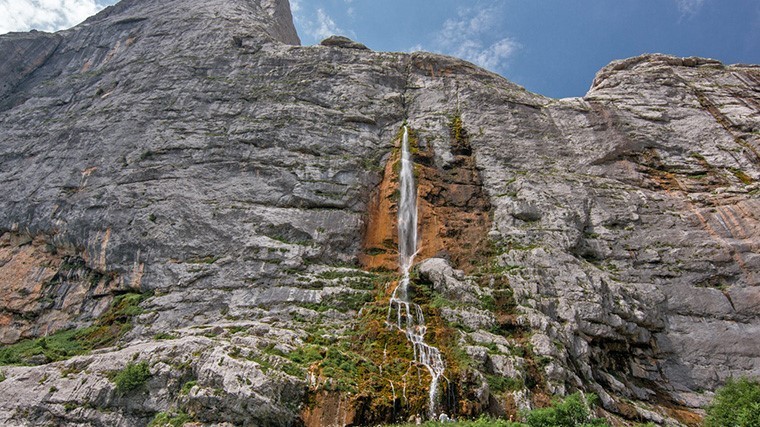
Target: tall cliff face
{"type": "Point", "coordinates": [189, 158]}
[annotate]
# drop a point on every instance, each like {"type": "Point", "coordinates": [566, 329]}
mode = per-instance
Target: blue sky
{"type": "Point", "coordinates": [553, 47]}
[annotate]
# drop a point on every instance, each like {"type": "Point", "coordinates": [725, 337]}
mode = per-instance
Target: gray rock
{"type": "Point", "coordinates": [448, 282]}
{"type": "Point", "coordinates": [342, 41]}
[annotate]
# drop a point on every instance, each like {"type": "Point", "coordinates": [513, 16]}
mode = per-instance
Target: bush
{"type": "Point", "coordinates": [164, 419]}
{"type": "Point", "coordinates": [573, 411]}
{"type": "Point", "coordinates": [483, 421]}
{"type": "Point", "coordinates": [132, 377]}
{"type": "Point", "coordinates": [735, 404]}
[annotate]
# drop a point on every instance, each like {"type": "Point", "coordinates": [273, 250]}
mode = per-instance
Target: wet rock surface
{"type": "Point", "coordinates": [194, 150]}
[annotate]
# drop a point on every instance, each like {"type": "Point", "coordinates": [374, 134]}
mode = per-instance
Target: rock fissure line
{"type": "Point", "coordinates": [408, 315]}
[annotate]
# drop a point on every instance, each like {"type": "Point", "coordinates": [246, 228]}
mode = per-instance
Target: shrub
{"type": "Point", "coordinates": [573, 411]}
{"type": "Point", "coordinates": [499, 384]}
{"type": "Point", "coordinates": [164, 419]}
{"type": "Point", "coordinates": [735, 404]}
{"type": "Point", "coordinates": [132, 377]}
{"type": "Point", "coordinates": [483, 421]}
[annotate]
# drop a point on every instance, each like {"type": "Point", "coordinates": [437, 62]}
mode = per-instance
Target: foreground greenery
{"type": "Point", "coordinates": [108, 328]}
{"type": "Point", "coordinates": [572, 411]}
{"type": "Point", "coordinates": [737, 404]}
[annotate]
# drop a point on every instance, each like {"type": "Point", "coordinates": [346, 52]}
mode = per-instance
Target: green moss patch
{"type": "Point", "coordinates": [106, 330]}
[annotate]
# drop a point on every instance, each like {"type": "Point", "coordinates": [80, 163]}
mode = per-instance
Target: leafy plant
{"type": "Point", "coordinates": [164, 419]}
{"type": "Point", "coordinates": [499, 384]}
{"type": "Point", "coordinates": [737, 404]}
{"type": "Point", "coordinates": [483, 421]}
{"type": "Point", "coordinates": [132, 377]}
{"type": "Point", "coordinates": [186, 387]}
{"type": "Point", "coordinates": [573, 411]}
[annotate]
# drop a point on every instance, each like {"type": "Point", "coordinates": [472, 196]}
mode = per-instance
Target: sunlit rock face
{"type": "Point", "coordinates": [244, 186]}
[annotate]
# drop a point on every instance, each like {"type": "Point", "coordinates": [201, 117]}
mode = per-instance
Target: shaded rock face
{"type": "Point", "coordinates": [193, 149]}
{"type": "Point", "coordinates": [46, 288]}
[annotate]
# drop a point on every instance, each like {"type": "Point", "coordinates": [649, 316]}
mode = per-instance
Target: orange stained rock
{"type": "Point", "coordinates": [24, 270]}
{"type": "Point", "coordinates": [329, 409]}
{"type": "Point", "coordinates": [379, 249]}
{"type": "Point", "coordinates": [453, 213]}
{"type": "Point", "coordinates": [29, 284]}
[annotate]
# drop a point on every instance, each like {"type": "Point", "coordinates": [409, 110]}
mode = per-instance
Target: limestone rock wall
{"type": "Point", "coordinates": [193, 149]}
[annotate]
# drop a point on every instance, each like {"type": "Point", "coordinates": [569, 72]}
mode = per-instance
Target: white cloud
{"type": "Point", "coordinates": [470, 36]}
{"type": "Point", "coordinates": [295, 6]}
{"type": "Point", "coordinates": [689, 7]}
{"type": "Point", "coordinates": [493, 57]}
{"type": "Point", "coordinates": [44, 15]}
{"type": "Point", "coordinates": [315, 26]}
{"type": "Point", "coordinates": [416, 48]}
{"type": "Point", "coordinates": [325, 26]}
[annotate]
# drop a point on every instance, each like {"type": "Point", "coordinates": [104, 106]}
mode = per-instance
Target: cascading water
{"type": "Point", "coordinates": [408, 316]}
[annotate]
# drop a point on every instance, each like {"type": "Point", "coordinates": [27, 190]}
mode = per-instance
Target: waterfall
{"type": "Point", "coordinates": [408, 316]}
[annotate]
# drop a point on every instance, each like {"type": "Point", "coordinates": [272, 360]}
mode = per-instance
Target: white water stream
{"type": "Point", "coordinates": [408, 316]}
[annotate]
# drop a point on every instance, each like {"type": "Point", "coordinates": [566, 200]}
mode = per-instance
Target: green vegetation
{"type": "Point", "coordinates": [456, 128]}
{"type": "Point", "coordinates": [186, 387]}
{"type": "Point", "coordinates": [237, 329]}
{"type": "Point", "coordinates": [741, 176]}
{"type": "Point", "coordinates": [338, 364]}
{"type": "Point", "coordinates": [500, 384]}
{"type": "Point", "coordinates": [168, 419]}
{"type": "Point", "coordinates": [108, 328]}
{"type": "Point", "coordinates": [164, 336]}
{"type": "Point", "coordinates": [572, 411]}
{"type": "Point", "coordinates": [480, 422]}
{"type": "Point", "coordinates": [58, 346]}
{"type": "Point", "coordinates": [2, 376]}
{"type": "Point", "coordinates": [737, 404]}
{"type": "Point", "coordinates": [132, 377]}
{"type": "Point", "coordinates": [264, 364]}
